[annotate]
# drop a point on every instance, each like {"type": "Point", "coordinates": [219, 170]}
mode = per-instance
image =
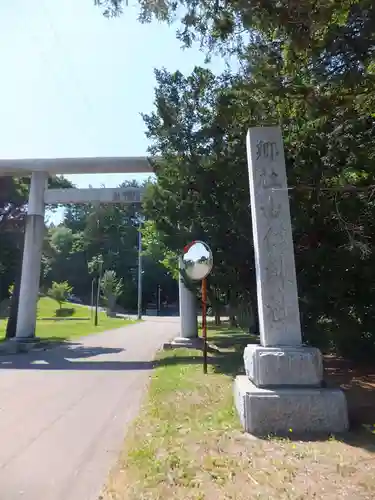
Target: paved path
{"type": "Point", "coordinates": [64, 412]}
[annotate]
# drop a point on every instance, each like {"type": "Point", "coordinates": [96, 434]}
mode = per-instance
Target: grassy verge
{"type": "Point", "coordinates": [78, 325]}
{"type": "Point", "coordinates": [187, 443]}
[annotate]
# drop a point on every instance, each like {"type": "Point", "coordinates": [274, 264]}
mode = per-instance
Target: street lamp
{"type": "Point", "coordinates": [140, 221]}
{"type": "Point", "coordinates": [98, 290]}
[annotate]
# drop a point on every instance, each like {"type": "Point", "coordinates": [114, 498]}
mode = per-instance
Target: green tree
{"type": "Point", "coordinates": [195, 188]}
{"type": "Point", "coordinates": [64, 258]}
{"type": "Point", "coordinates": [155, 248]}
{"type": "Point", "coordinates": [60, 292]}
{"type": "Point", "coordinates": [109, 233]}
{"type": "Point", "coordinates": [310, 67]}
{"type": "Point", "coordinates": [198, 129]}
{"type": "Point", "coordinates": [13, 204]}
{"type": "Point", "coordinates": [95, 265]}
{"type": "Point", "coordinates": [111, 288]}
{"type": "Point", "coordinates": [13, 197]}
{"type": "Point", "coordinates": [321, 30]}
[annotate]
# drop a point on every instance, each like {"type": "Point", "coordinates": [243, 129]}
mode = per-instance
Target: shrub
{"type": "Point", "coordinates": [112, 288]}
{"type": "Point", "coordinates": [64, 312]}
{"type": "Point", "coordinates": [60, 292]}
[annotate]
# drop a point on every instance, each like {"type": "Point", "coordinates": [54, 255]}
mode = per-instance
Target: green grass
{"type": "Point", "coordinates": [187, 443]}
{"type": "Point", "coordinates": [78, 325]}
{"type": "Point", "coordinates": [47, 308]}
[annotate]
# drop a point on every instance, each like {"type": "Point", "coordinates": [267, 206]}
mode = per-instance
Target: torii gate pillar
{"type": "Point", "coordinates": [188, 310]}
{"type": "Point", "coordinates": [40, 169]}
{"type": "Point", "coordinates": [32, 255]}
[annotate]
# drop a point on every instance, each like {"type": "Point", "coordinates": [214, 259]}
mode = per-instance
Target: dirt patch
{"type": "Point", "coordinates": [358, 382]}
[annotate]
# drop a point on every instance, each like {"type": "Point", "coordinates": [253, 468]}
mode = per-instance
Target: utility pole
{"type": "Point", "coordinates": [99, 270]}
{"type": "Point", "coordinates": [92, 297]}
{"type": "Point", "coordinates": [139, 271]}
{"type": "Point", "coordinates": [158, 299]}
{"type": "Point", "coordinates": [98, 292]}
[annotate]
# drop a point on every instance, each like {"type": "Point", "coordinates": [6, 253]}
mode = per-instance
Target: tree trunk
{"type": "Point", "coordinates": [233, 321]}
{"type": "Point", "coordinates": [13, 312]}
{"type": "Point", "coordinates": [111, 305]}
{"type": "Point", "coordinates": [232, 310]}
{"type": "Point", "coordinates": [216, 307]}
{"type": "Point", "coordinates": [217, 318]}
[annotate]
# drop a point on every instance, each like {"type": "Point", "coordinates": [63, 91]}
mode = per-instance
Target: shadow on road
{"type": "Point", "coordinates": [70, 356]}
{"type": "Point", "coordinates": [74, 356]}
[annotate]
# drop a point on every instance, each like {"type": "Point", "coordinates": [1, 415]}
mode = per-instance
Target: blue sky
{"type": "Point", "coordinates": [74, 83]}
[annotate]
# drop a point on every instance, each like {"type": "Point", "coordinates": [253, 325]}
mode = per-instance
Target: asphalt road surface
{"type": "Point", "coordinates": [64, 411]}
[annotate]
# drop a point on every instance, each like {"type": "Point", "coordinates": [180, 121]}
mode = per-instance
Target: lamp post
{"type": "Point", "coordinates": [140, 220]}
{"type": "Point", "coordinates": [139, 274]}
{"type": "Point", "coordinates": [92, 297]}
{"type": "Point", "coordinates": [98, 291]}
{"type": "Point", "coordinates": [158, 299]}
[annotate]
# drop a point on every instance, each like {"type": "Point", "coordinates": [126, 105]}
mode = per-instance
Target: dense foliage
{"type": "Point", "coordinates": [94, 241]}
{"type": "Point", "coordinates": [111, 288]}
{"type": "Point", "coordinates": [13, 194]}
{"type": "Point", "coordinates": [13, 203]}
{"type": "Point", "coordinates": [310, 67]}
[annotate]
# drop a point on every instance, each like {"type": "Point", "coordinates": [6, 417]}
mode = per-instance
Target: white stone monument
{"type": "Point", "coordinates": [282, 389]}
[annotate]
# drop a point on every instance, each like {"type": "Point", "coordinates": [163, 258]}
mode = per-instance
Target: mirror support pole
{"type": "Point", "coordinates": [204, 323]}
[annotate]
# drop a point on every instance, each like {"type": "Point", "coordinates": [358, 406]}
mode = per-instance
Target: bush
{"type": "Point", "coordinates": [64, 312]}
{"type": "Point", "coordinates": [60, 292]}
{"type": "Point", "coordinates": [112, 288]}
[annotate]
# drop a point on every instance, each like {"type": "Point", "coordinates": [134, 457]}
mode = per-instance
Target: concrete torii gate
{"type": "Point", "coordinates": [39, 196]}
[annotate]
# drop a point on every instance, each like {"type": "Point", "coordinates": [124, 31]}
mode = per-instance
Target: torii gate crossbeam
{"type": "Point", "coordinates": [40, 169]}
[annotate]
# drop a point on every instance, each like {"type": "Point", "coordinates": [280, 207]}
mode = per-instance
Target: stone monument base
{"type": "Point", "coordinates": [185, 342]}
{"type": "Point", "coordinates": [282, 411]}
{"type": "Point", "coordinates": [190, 343]}
{"type": "Point", "coordinates": [283, 366]}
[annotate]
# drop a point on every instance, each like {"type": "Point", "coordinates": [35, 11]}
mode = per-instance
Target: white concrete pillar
{"type": "Point", "coordinates": [188, 311]}
{"type": "Point", "coordinates": [32, 254]}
